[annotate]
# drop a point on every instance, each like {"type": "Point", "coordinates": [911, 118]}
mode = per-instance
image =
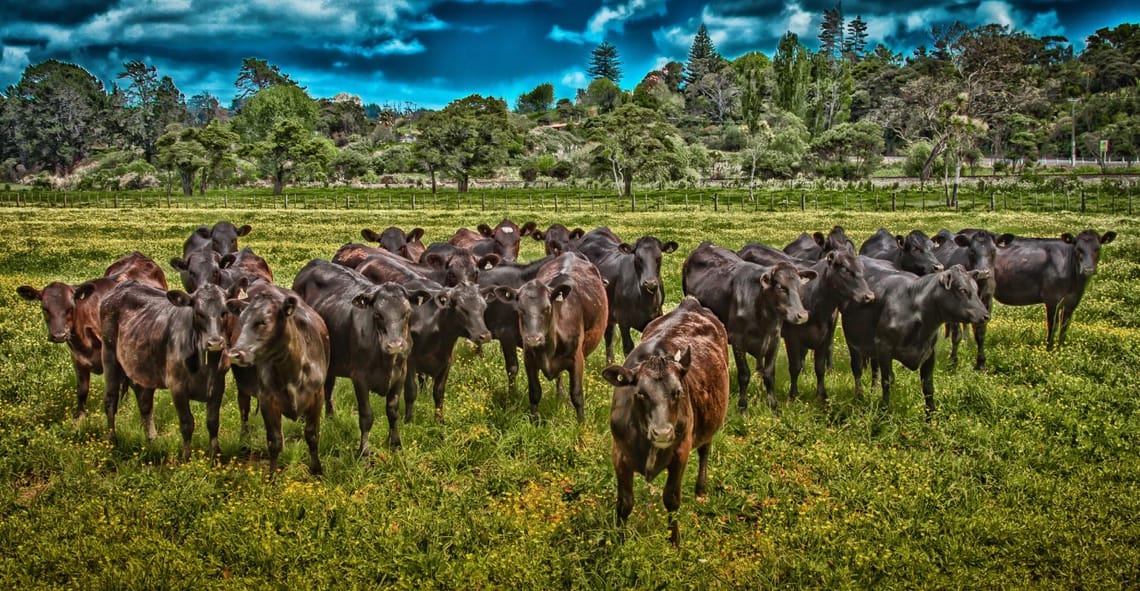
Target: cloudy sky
{"type": "Point", "coordinates": [431, 52]}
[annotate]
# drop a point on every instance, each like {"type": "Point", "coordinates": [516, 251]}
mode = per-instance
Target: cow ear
{"type": "Point", "coordinates": [28, 293]}
{"type": "Point", "coordinates": [819, 238]}
{"type": "Point", "coordinates": [505, 293]}
{"type": "Point", "coordinates": [178, 297]}
{"type": "Point", "coordinates": [559, 292]}
{"type": "Point", "coordinates": [765, 281]}
{"type": "Point", "coordinates": [962, 240]}
{"type": "Point", "coordinates": [901, 240]}
{"type": "Point", "coordinates": [419, 296]}
{"type": "Point", "coordinates": [363, 300]}
{"type": "Point", "coordinates": [369, 235]}
{"type": "Point", "coordinates": [442, 299]}
{"type": "Point", "coordinates": [1109, 236]}
{"type": "Point", "coordinates": [1004, 240]}
{"type": "Point", "coordinates": [577, 233]}
{"type": "Point", "coordinates": [84, 291]}
{"type": "Point", "coordinates": [235, 306]}
{"type": "Point", "coordinates": [619, 376]}
{"type": "Point", "coordinates": [938, 239]}
{"type": "Point", "coordinates": [946, 278]}
{"type": "Point", "coordinates": [434, 260]}
{"type": "Point", "coordinates": [831, 257]}
{"type": "Point", "coordinates": [489, 262]}
{"type": "Point", "coordinates": [669, 247]}
{"type": "Point", "coordinates": [415, 234]}
{"type": "Point", "coordinates": [528, 228]}
{"type": "Point", "coordinates": [807, 275]}
{"type": "Point", "coordinates": [226, 261]}
{"type": "Point", "coordinates": [244, 230]}
{"type": "Point", "coordinates": [684, 358]}
{"type": "Point", "coordinates": [625, 247]}
{"type": "Point", "coordinates": [486, 230]}
{"type": "Point", "coordinates": [289, 306]}
{"type": "Point", "coordinates": [179, 264]}
{"type": "Point", "coordinates": [237, 290]}
{"type": "Point", "coordinates": [1067, 238]}
{"type": "Point", "coordinates": [203, 231]}
{"type": "Point", "coordinates": [538, 235]}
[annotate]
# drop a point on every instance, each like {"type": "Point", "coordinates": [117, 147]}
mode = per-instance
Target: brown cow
{"type": "Point", "coordinates": [72, 315]}
{"type": "Point", "coordinates": [502, 240]}
{"type": "Point", "coordinates": [408, 245]}
{"type": "Point", "coordinates": [670, 397]}
{"type": "Point", "coordinates": [288, 343]}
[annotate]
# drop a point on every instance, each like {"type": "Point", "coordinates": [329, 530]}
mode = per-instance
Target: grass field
{"type": "Point", "coordinates": [1027, 477]}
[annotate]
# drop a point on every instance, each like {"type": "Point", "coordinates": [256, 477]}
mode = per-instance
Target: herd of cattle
{"type": "Point", "coordinates": [388, 317]}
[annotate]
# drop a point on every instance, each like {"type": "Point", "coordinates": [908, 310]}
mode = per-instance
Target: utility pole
{"type": "Point", "coordinates": [1073, 140]}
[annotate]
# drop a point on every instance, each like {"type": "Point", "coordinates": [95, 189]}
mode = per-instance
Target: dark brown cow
{"type": "Point", "coordinates": [502, 240]}
{"type": "Point", "coordinates": [975, 250]}
{"type": "Point", "coordinates": [1049, 271]}
{"type": "Point", "coordinates": [222, 238]}
{"type": "Point", "coordinates": [562, 315]}
{"type": "Point", "coordinates": [165, 339]}
{"type": "Point", "coordinates": [753, 302]}
{"type": "Point", "coordinates": [395, 240]}
{"type": "Point", "coordinates": [449, 265]}
{"type": "Point", "coordinates": [558, 239]}
{"type": "Point", "coordinates": [501, 317]}
{"type": "Point", "coordinates": [913, 253]}
{"type": "Point", "coordinates": [670, 397]}
{"type": "Point", "coordinates": [287, 342]}
{"type": "Point", "coordinates": [353, 254]}
{"type": "Point", "coordinates": [72, 315]}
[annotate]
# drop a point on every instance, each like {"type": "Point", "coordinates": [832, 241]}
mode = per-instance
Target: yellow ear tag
{"type": "Point", "coordinates": [242, 295]}
{"type": "Point", "coordinates": [677, 357]}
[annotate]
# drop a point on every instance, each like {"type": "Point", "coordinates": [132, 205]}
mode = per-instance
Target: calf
{"type": "Point", "coordinates": [221, 238]}
{"type": "Point", "coordinates": [395, 240]}
{"type": "Point", "coordinates": [634, 290]}
{"type": "Point", "coordinates": [903, 320]}
{"type": "Point", "coordinates": [913, 253]}
{"type": "Point", "coordinates": [670, 397]}
{"type": "Point", "coordinates": [562, 314]}
{"type": "Point", "coordinates": [165, 339]}
{"type": "Point", "coordinates": [286, 341]}
{"type": "Point", "coordinates": [450, 265]}
{"type": "Point", "coordinates": [502, 240]}
{"type": "Point", "coordinates": [813, 247]}
{"type": "Point", "coordinates": [72, 315]}
{"type": "Point", "coordinates": [975, 250]}
{"type": "Point", "coordinates": [558, 239]}
{"type": "Point", "coordinates": [1053, 271]}
{"type": "Point", "coordinates": [369, 337]}
{"type": "Point", "coordinates": [501, 317]}
{"type": "Point", "coordinates": [752, 301]}
{"type": "Point", "coordinates": [839, 281]}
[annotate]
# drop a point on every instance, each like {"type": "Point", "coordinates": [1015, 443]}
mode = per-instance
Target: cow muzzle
{"type": "Point", "coordinates": [867, 297]}
{"type": "Point", "coordinates": [799, 318]}
{"type": "Point", "coordinates": [661, 437]}
{"type": "Point", "coordinates": [59, 337]}
{"type": "Point", "coordinates": [215, 344]}
{"type": "Point", "coordinates": [532, 341]}
{"type": "Point", "coordinates": [241, 358]}
{"type": "Point", "coordinates": [482, 337]}
{"type": "Point", "coordinates": [395, 346]}
{"type": "Point", "coordinates": [650, 285]}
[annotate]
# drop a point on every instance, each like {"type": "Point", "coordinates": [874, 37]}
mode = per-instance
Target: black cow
{"type": "Point", "coordinates": [752, 301]}
{"type": "Point", "coordinates": [839, 281]}
{"type": "Point", "coordinates": [165, 339]}
{"type": "Point", "coordinates": [903, 320]}
{"type": "Point", "coordinates": [286, 341]}
{"type": "Point", "coordinates": [562, 314]}
{"type": "Point", "coordinates": [669, 398]}
{"type": "Point", "coordinates": [369, 337]}
{"type": "Point", "coordinates": [975, 250]}
{"type": "Point", "coordinates": [558, 239]}
{"type": "Point", "coordinates": [913, 253]}
{"type": "Point", "coordinates": [72, 315]}
{"type": "Point", "coordinates": [502, 240]}
{"type": "Point", "coordinates": [408, 245]}
{"type": "Point", "coordinates": [1051, 271]}
{"type": "Point", "coordinates": [501, 317]}
{"type": "Point", "coordinates": [812, 247]}
{"type": "Point", "coordinates": [222, 238]}
{"type": "Point", "coordinates": [634, 290]}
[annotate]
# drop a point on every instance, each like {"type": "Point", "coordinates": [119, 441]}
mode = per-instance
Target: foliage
{"type": "Point", "coordinates": [792, 69]}
{"type": "Point", "coordinates": [603, 95]}
{"type": "Point", "coordinates": [469, 137]}
{"type": "Point", "coordinates": [605, 63]}
{"type": "Point", "coordinates": [257, 75]}
{"type": "Point", "coordinates": [539, 100]}
{"type": "Point", "coordinates": [181, 151]}
{"type": "Point", "coordinates": [849, 150]}
{"type": "Point", "coordinates": [263, 111]}
{"type": "Point", "coordinates": [290, 149]}
{"type": "Point", "coordinates": [704, 59]}
{"type": "Point", "coordinates": [150, 105]}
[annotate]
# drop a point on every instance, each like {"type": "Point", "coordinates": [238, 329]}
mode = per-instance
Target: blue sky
{"type": "Point", "coordinates": [430, 52]}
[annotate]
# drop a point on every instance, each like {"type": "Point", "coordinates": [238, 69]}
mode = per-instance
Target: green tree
{"type": "Point", "coordinates": [855, 44]}
{"type": "Point", "coordinates": [151, 105]}
{"type": "Point", "coordinates": [753, 74]}
{"type": "Point", "coordinates": [220, 143]}
{"type": "Point", "coordinates": [204, 108]}
{"type": "Point", "coordinates": [792, 67]}
{"type": "Point", "coordinates": [342, 117]}
{"type": "Point", "coordinates": [850, 150]}
{"type": "Point", "coordinates": [605, 63]}
{"type": "Point", "coordinates": [759, 138]}
{"type": "Point", "coordinates": [264, 110]}
{"type": "Point", "coordinates": [831, 31]}
{"type": "Point", "coordinates": [634, 141]}
{"type": "Point", "coordinates": [469, 137]}
{"type": "Point", "coordinates": [289, 147]}
{"type": "Point", "coordinates": [703, 57]}
{"type": "Point", "coordinates": [180, 151]}
{"type": "Point", "coordinates": [256, 75]}
{"type": "Point", "coordinates": [538, 100]}
{"type": "Point", "coordinates": [604, 94]}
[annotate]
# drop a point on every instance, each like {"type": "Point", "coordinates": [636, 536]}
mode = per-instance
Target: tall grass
{"type": "Point", "coordinates": [1026, 477]}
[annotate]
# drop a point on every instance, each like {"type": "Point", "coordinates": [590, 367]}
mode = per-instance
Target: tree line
{"type": "Point", "coordinates": [835, 112]}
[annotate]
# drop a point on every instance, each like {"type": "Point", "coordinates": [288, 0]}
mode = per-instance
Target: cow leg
{"type": "Point", "coordinates": [955, 331]}
{"type": "Point", "coordinates": [822, 358]}
{"type": "Point", "coordinates": [559, 387]}
{"type": "Point", "coordinates": [671, 496]}
{"type": "Point", "coordinates": [1050, 324]}
{"type": "Point", "coordinates": [980, 341]}
{"type": "Point", "coordinates": [926, 371]}
{"type": "Point", "coordinates": [533, 385]}
{"type": "Point", "coordinates": [1066, 319]}
{"type": "Point", "coordinates": [857, 372]}
{"type": "Point", "coordinates": [767, 365]}
{"type": "Point", "coordinates": [410, 392]}
{"type": "Point", "coordinates": [312, 438]}
{"type": "Point", "coordinates": [624, 473]}
{"type": "Point", "coordinates": [364, 413]}
{"type": "Point", "coordinates": [185, 421]}
{"type": "Point", "coordinates": [145, 399]}
{"type": "Point", "coordinates": [438, 389]}
{"type": "Point", "coordinates": [702, 469]}
{"type": "Point", "coordinates": [511, 360]}
{"type": "Point", "coordinates": [114, 381]}
{"type": "Point", "coordinates": [246, 380]}
{"type": "Point", "coordinates": [392, 410]}
{"type": "Point", "coordinates": [626, 340]}
{"type": "Point", "coordinates": [743, 376]}
{"type": "Point", "coordinates": [330, 384]}
{"type": "Point", "coordinates": [82, 388]}
{"type": "Point", "coordinates": [273, 439]}
{"type": "Point", "coordinates": [796, 356]}
{"type": "Point", "coordinates": [888, 377]}
{"type": "Point", "coordinates": [576, 371]}
{"type": "Point", "coordinates": [609, 336]}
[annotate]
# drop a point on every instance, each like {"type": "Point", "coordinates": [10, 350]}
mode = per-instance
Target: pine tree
{"type": "Point", "coordinates": [604, 62]}
{"type": "Point", "coordinates": [855, 45]}
{"type": "Point", "coordinates": [703, 57]}
{"type": "Point", "coordinates": [831, 32]}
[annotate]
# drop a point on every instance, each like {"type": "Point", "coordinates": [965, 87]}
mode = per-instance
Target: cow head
{"type": "Point", "coordinates": [538, 305]}
{"type": "Point", "coordinates": [657, 387]}
{"type": "Point", "coordinates": [465, 306]}
{"type": "Point", "coordinates": [394, 240]}
{"type": "Point", "coordinates": [845, 276]}
{"type": "Point", "coordinates": [558, 238]}
{"type": "Point", "coordinates": [391, 310]}
{"type": "Point", "coordinates": [506, 236]}
{"type": "Point", "coordinates": [917, 253]}
{"type": "Point", "coordinates": [201, 267]}
{"type": "Point", "coordinates": [460, 267]}
{"type": "Point", "coordinates": [961, 303]}
{"type": "Point", "coordinates": [57, 302]}
{"type": "Point", "coordinates": [263, 317]}
{"type": "Point", "coordinates": [647, 261]}
{"type": "Point", "coordinates": [1086, 249]}
{"type": "Point", "coordinates": [208, 320]}
{"type": "Point", "coordinates": [782, 286]}
{"type": "Point", "coordinates": [837, 240]}
{"type": "Point", "coordinates": [224, 237]}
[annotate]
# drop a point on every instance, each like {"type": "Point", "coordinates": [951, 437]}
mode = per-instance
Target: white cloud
{"type": "Point", "coordinates": [610, 17]}
{"type": "Point", "coordinates": [575, 79]}
{"type": "Point", "coordinates": [1046, 23]}
{"type": "Point", "coordinates": [559, 34]}
{"type": "Point", "coordinates": [997, 12]}
{"type": "Point", "coordinates": [13, 61]}
{"type": "Point", "coordinates": [660, 63]}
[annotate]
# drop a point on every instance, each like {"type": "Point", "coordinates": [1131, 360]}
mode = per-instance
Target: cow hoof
{"type": "Point", "coordinates": [316, 470]}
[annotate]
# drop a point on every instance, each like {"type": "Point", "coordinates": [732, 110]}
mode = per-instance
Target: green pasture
{"type": "Point", "coordinates": [1028, 476]}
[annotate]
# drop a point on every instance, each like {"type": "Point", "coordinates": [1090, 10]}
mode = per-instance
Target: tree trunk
{"type": "Point", "coordinates": [617, 176]}
{"type": "Point", "coordinates": [433, 183]}
{"type": "Point", "coordinates": [187, 183]}
{"type": "Point", "coordinates": [278, 184]}
{"type": "Point", "coordinates": [957, 181]}
{"type": "Point", "coordinates": [202, 182]}
{"type": "Point", "coordinates": [462, 183]}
